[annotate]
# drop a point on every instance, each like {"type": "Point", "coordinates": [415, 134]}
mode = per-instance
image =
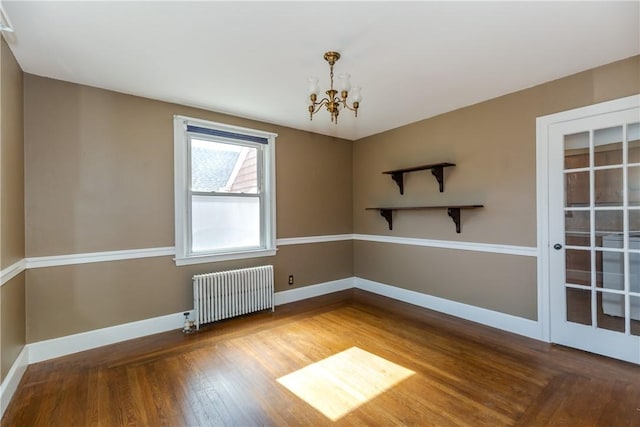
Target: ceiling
{"type": "Point", "coordinates": [414, 60]}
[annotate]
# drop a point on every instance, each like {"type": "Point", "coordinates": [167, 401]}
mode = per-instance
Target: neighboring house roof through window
{"type": "Point", "coordinates": [211, 168]}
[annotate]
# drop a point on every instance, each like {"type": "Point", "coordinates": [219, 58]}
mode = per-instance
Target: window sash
{"type": "Point", "coordinates": [260, 159]}
{"type": "Point", "coordinates": [183, 196]}
{"type": "Point", "coordinates": [261, 225]}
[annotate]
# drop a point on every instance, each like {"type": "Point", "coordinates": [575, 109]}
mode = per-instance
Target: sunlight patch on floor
{"type": "Point", "coordinates": [340, 383]}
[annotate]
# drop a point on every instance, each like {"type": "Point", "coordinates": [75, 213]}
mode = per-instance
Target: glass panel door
{"type": "Point", "coordinates": [595, 230]}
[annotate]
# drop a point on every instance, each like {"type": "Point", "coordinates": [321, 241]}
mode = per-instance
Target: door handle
{"type": "Point", "coordinates": [557, 246]}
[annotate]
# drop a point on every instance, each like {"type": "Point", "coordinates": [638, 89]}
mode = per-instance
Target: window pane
{"type": "Point", "coordinates": [634, 223]}
{"type": "Point", "coordinates": [613, 265]}
{"type": "Point", "coordinates": [223, 168]}
{"type": "Point", "coordinates": [608, 223]}
{"type": "Point", "coordinates": [608, 187]}
{"type": "Point", "coordinates": [613, 311]}
{"type": "Point", "coordinates": [635, 315]}
{"type": "Point", "coordinates": [225, 222]}
{"type": "Point", "coordinates": [576, 150]}
{"type": "Point", "coordinates": [578, 306]}
{"type": "Point", "coordinates": [578, 267]}
{"type": "Point", "coordinates": [577, 228]}
{"type": "Point", "coordinates": [577, 189]}
{"type": "Point", "coordinates": [634, 268]}
{"type": "Point", "coordinates": [634, 185]}
{"type": "Point", "coordinates": [633, 135]}
{"type": "Point", "coordinates": [634, 261]}
{"type": "Point", "coordinates": [608, 146]}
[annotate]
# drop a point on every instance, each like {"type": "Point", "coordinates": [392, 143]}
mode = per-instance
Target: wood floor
{"type": "Point", "coordinates": [459, 374]}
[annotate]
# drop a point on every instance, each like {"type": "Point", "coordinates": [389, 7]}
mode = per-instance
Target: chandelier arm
{"type": "Point", "coordinates": [345, 105]}
{"type": "Point", "coordinates": [318, 105]}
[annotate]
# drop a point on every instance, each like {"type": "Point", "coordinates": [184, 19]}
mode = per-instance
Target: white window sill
{"type": "Point", "coordinates": [201, 259]}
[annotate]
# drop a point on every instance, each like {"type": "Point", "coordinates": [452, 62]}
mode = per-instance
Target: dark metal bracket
{"type": "Point", "coordinates": [452, 210]}
{"type": "Point", "coordinates": [398, 177]}
{"type": "Point", "coordinates": [454, 213]}
{"type": "Point", "coordinates": [388, 215]}
{"type": "Point", "coordinates": [437, 169]}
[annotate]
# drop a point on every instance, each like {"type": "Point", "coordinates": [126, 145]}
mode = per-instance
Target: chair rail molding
{"type": "Point", "coordinates": [12, 271]}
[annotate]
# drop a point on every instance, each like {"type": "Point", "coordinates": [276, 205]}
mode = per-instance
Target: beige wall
{"type": "Point", "coordinates": [76, 298]}
{"type": "Point", "coordinates": [12, 242]}
{"type": "Point", "coordinates": [12, 168]}
{"type": "Point", "coordinates": [12, 319]}
{"type": "Point", "coordinates": [99, 177]}
{"type": "Point", "coordinates": [493, 145]}
{"type": "Point", "coordinates": [100, 172]}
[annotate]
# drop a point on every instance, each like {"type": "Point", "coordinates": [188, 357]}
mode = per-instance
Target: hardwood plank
{"type": "Point", "coordinates": [464, 374]}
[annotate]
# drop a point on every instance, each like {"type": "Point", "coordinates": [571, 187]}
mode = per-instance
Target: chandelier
{"type": "Point", "coordinates": [333, 102]}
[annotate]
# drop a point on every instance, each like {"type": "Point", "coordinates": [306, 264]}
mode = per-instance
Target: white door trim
{"type": "Point", "coordinates": [543, 124]}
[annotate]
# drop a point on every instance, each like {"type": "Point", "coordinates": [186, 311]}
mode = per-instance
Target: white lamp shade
{"type": "Point", "coordinates": [343, 82]}
{"type": "Point", "coordinates": [313, 85]}
{"type": "Point", "coordinates": [355, 94]}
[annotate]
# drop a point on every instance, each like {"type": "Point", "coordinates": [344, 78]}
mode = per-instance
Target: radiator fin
{"type": "Point", "coordinates": [225, 294]}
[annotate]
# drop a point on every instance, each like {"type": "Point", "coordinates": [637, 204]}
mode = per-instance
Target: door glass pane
{"type": "Point", "coordinates": [612, 265]}
{"type": "Point", "coordinates": [608, 223]}
{"type": "Point", "coordinates": [578, 267]}
{"type": "Point", "coordinates": [635, 315]}
{"type": "Point", "coordinates": [599, 278]}
{"type": "Point", "coordinates": [634, 271]}
{"type": "Point", "coordinates": [579, 306]}
{"type": "Point", "coordinates": [634, 185]}
{"type": "Point", "coordinates": [608, 187]}
{"type": "Point", "coordinates": [576, 150]}
{"type": "Point", "coordinates": [577, 189]}
{"type": "Point", "coordinates": [634, 259]}
{"type": "Point", "coordinates": [577, 228]}
{"type": "Point", "coordinates": [633, 136]}
{"type": "Point", "coordinates": [607, 145]}
{"type": "Point", "coordinates": [611, 311]}
{"type": "Point", "coordinates": [634, 223]}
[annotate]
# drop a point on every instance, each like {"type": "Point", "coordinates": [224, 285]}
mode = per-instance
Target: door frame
{"type": "Point", "coordinates": [543, 124]}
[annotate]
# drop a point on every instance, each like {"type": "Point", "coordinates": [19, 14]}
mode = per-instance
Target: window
{"type": "Point", "coordinates": [224, 191]}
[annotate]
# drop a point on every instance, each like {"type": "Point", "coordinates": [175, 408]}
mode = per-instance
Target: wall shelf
{"type": "Point", "coordinates": [452, 210]}
{"type": "Point", "coordinates": [436, 169]}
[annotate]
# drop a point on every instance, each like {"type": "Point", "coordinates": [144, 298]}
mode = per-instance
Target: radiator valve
{"type": "Point", "coordinates": [188, 324]}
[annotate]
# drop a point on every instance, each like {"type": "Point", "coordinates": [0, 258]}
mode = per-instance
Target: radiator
{"type": "Point", "coordinates": [225, 294]}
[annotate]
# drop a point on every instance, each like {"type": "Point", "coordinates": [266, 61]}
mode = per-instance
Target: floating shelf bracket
{"type": "Point", "coordinates": [398, 177]}
{"type": "Point", "coordinates": [437, 169]}
{"type": "Point", "coordinates": [453, 211]}
{"type": "Point", "coordinates": [388, 215]}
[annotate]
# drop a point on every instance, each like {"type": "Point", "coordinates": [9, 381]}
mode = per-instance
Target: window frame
{"type": "Point", "coordinates": [182, 189]}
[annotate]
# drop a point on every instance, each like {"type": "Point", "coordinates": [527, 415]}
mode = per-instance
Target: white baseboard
{"type": "Point", "coordinates": [49, 349]}
{"type": "Point", "coordinates": [56, 347]}
{"type": "Point", "coordinates": [495, 319]}
{"type": "Point", "coordinates": [298, 294]}
{"type": "Point", "coordinates": [11, 381]}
